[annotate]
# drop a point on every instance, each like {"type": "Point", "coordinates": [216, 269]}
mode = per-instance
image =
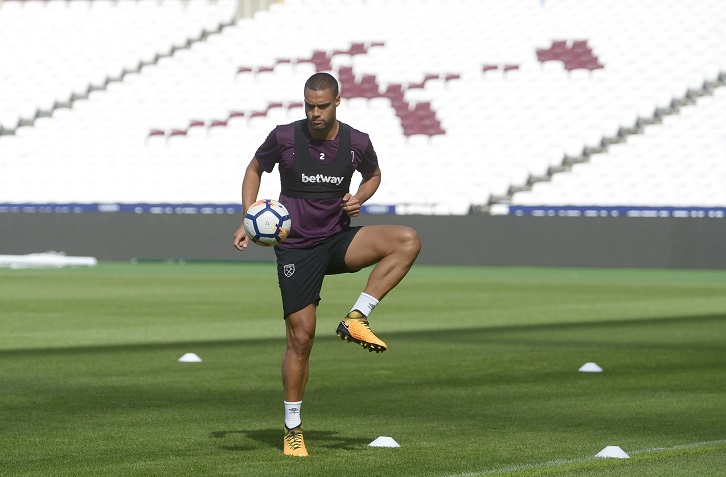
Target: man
{"type": "Point", "coordinates": [316, 158]}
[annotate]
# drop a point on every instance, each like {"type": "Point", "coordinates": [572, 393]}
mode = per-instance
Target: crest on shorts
{"type": "Point", "coordinates": [288, 270]}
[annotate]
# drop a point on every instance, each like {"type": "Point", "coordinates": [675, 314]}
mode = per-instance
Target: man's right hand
{"type": "Point", "coordinates": [241, 240]}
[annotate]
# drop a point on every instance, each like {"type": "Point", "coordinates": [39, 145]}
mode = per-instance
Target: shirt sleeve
{"type": "Point", "coordinates": [268, 154]}
{"type": "Point", "coordinates": [369, 161]}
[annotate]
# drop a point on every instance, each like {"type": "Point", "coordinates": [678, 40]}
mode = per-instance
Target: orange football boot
{"type": "Point", "coordinates": [294, 444]}
{"type": "Point", "coordinates": [354, 327]}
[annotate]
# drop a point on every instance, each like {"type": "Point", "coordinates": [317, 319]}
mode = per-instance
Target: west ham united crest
{"type": "Point", "coordinates": [289, 270]}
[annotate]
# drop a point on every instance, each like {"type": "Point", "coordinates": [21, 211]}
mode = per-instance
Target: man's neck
{"type": "Point", "coordinates": [325, 134]}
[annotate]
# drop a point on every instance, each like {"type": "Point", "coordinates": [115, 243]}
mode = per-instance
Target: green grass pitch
{"type": "Point", "coordinates": [480, 378]}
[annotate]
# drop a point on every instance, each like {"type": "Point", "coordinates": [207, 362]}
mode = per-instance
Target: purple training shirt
{"type": "Point", "coordinates": [314, 220]}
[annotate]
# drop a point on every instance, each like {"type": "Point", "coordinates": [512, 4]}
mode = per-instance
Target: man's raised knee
{"type": "Point", "coordinates": [410, 240]}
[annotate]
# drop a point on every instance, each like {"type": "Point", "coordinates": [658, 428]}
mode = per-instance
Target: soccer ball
{"type": "Point", "coordinates": [267, 222]}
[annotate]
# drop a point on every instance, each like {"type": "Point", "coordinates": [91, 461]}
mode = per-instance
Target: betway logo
{"type": "Point", "coordinates": [322, 178]}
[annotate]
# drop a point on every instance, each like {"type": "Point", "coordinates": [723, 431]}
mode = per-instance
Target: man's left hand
{"type": "Point", "coordinates": [351, 205]}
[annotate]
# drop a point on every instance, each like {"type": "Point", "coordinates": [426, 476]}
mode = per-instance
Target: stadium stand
{"type": "Point", "coordinates": [483, 106]}
{"type": "Point", "coordinates": [679, 160]}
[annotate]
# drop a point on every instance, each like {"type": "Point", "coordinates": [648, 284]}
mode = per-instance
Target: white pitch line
{"type": "Point", "coordinates": [679, 447]}
{"type": "Point", "coordinates": [559, 462]}
{"type": "Point", "coordinates": [515, 468]}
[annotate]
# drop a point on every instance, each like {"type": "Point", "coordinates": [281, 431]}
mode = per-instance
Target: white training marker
{"type": "Point", "coordinates": [190, 358]}
{"type": "Point", "coordinates": [384, 441]}
{"type": "Point", "coordinates": [590, 368]}
{"type": "Point", "coordinates": [613, 452]}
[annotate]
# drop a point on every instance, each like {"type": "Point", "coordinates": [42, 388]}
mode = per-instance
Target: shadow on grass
{"type": "Point", "coordinates": [272, 438]}
{"type": "Point", "coordinates": [453, 335]}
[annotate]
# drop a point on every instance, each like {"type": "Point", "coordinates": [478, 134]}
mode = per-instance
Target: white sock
{"type": "Point", "coordinates": [365, 304]}
{"type": "Point", "coordinates": [292, 414]}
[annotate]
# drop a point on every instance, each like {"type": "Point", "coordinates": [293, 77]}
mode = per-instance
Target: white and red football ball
{"type": "Point", "coordinates": [267, 222]}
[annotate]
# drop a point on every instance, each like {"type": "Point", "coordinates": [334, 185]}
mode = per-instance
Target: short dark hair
{"type": "Point", "coordinates": [321, 82]}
